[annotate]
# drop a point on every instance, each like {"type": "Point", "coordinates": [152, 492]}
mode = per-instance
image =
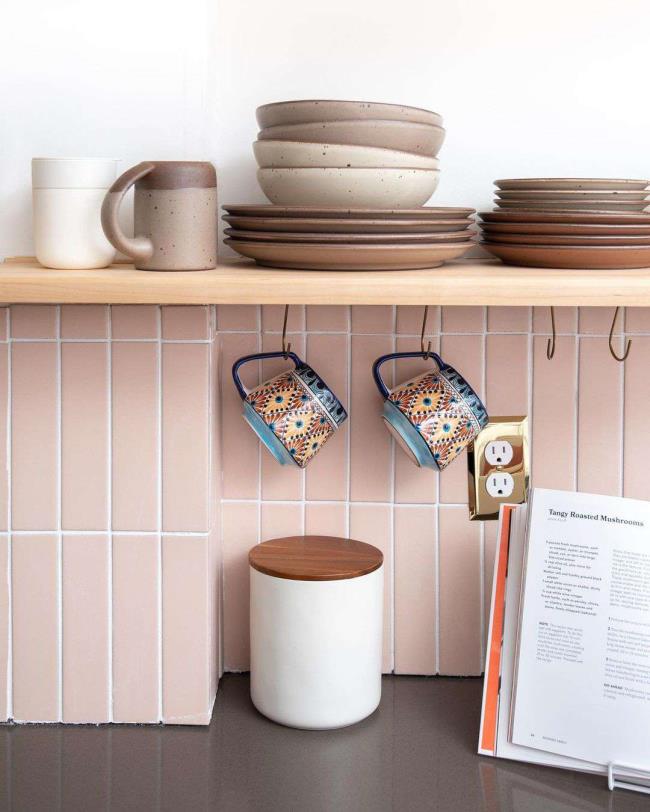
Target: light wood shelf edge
{"type": "Point", "coordinates": [470, 282]}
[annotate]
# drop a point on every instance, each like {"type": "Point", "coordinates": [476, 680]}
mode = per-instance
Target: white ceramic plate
{"type": "Point", "coordinates": [274, 154]}
{"type": "Point", "coordinates": [381, 188]}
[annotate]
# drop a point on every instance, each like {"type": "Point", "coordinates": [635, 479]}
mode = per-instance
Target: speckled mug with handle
{"type": "Point", "coordinates": [294, 414]}
{"type": "Point", "coordinates": [433, 416]}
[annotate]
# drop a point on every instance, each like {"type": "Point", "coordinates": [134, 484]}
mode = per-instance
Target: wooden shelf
{"type": "Point", "coordinates": [476, 282]}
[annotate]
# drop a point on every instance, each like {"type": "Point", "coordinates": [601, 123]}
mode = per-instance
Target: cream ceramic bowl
{"type": "Point", "coordinates": [304, 154]}
{"type": "Point", "coordinates": [407, 136]}
{"type": "Point", "coordinates": [303, 111]}
{"type": "Point", "coordinates": [357, 188]}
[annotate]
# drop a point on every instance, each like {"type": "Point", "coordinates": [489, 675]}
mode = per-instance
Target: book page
{"type": "Point", "coordinates": [583, 673]}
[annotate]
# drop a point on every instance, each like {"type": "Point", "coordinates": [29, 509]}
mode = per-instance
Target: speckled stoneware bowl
{"type": "Point", "coordinates": [279, 154]}
{"type": "Point", "coordinates": [304, 111]}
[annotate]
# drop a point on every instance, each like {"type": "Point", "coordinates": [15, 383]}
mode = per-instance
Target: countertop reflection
{"type": "Point", "coordinates": [417, 752]}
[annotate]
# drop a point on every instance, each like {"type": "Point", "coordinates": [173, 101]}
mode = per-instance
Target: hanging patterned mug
{"type": "Point", "coordinates": [294, 414]}
{"type": "Point", "coordinates": [433, 416]}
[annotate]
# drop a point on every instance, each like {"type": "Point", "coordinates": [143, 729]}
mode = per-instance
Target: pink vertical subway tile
{"type": "Point", "coordinates": [598, 321]}
{"type": "Point", "coordinates": [35, 628]}
{"type": "Point", "coordinates": [185, 443]}
{"type": "Point", "coordinates": [240, 533]}
{"type": "Point", "coordinates": [4, 624]}
{"type": "Point", "coordinates": [409, 320]}
{"type": "Point", "coordinates": [84, 321]}
{"type": "Point", "coordinates": [135, 436]}
{"type": "Point", "coordinates": [85, 629]}
{"type": "Point", "coordinates": [566, 319]}
{"type": "Point", "coordinates": [135, 628]}
{"type": "Point", "coordinates": [372, 319]}
{"type": "Point", "coordinates": [636, 449]}
{"type": "Point", "coordinates": [508, 319]}
{"type": "Point", "coordinates": [84, 436]}
{"type": "Point", "coordinates": [280, 481]}
{"type": "Point", "coordinates": [370, 442]}
{"type": "Point", "coordinates": [34, 429]}
{"type": "Point", "coordinates": [4, 410]}
{"type": "Point", "coordinates": [460, 575]}
{"type": "Point", "coordinates": [328, 318]}
{"type": "Point", "coordinates": [489, 552]}
{"type": "Point", "coordinates": [33, 321]}
{"type": "Point", "coordinates": [273, 318]}
{"type": "Point", "coordinates": [237, 318]}
{"type": "Point", "coordinates": [185, 629]}
{"type": "Point", "coordinates": [415, 590]}
{"type": "Point", "coordinates": [373, 524]}
{"type": "Point", "coordinates": [506, 374]}
{"type": "Point", "coordinates": [413, 484]}
{"type": "Point", "coordinates": [215, 578]}
{"type": "Point", "coordinates": [463, 319]}
{"type": "Point", "coordinates": [216, 457]}
{"type": "Point", "coordinates": [280, 520]}
{"type": "Point", "coordinates": [553, 427]}
{"type": "Point", "coordinates": [326, 476]}
{"type": "Point", "coordinates": [600, 426]}
{"type": "Point", "coordinates": [465, 354]}
{"type": "Point", "coordinates": [134, 321]}
{"type": "Point", "coordinates": [4, 323]}
{"type": "Point", "coordinates": [186, 323]}
{"type": "Point", "coordinates": [240, 446]}
{"type": "Point", "coordinates": [637, 319]}
{"type": "Point", "coordinates": [326, 519]}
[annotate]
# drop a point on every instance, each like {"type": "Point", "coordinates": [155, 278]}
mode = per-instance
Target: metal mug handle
{"type": "Point", "coordinates": [258, 356]}
{"type": "Point", "coordinates": [383, 389]}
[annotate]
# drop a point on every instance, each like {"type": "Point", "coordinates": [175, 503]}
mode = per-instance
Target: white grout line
{"type": "Point", "coordinates": [576, 415]}
{"type": "Point", "coordinates": [10, 635]}
{"type": "Point", "coordinates": [109, 507]}
{"type": "Point", "coordinates": [160, 519]}
{"type": "Point", "coordinates": [622, 426]}
{"type": "Point", "coordinates": [348, 433]}
{"type": "Point", "coordinates": [392, 517]}
{"type": "Point", "coordinates": [59, 500]}
{"type": "Point", "coordinates": [259, 445]}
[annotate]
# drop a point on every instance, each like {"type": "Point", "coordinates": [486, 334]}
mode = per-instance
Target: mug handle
{"type": "Point", "coordinates": [138, 248]}
{"type": "Point", "coordinates": [383, 389]}
{"type": "Point", "coordinates": [258, 356]}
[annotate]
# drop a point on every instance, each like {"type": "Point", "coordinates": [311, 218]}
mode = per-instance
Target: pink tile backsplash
{"type": "Point", "coordinates": [135, 489]}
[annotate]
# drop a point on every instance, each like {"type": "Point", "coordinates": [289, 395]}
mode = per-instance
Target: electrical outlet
{"type": "Point", "coordinates": [498, 466]}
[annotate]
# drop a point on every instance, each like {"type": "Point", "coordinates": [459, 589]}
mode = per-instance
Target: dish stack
{"type": "Point", "coordinates": [570, 223]}
{"type": "Point", "coordinates": [348, 182]}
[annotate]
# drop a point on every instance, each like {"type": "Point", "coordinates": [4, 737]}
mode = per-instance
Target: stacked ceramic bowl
{"type": "Point", "coordinates": [347, 153]}
{"type": "Point", "coordinates": [570, 223]}
{"type": "Point", "coordinates": [346, 239]}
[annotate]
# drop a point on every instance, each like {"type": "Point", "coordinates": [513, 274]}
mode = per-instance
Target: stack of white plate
{"type": "Point", "coordinates": [347, 153]}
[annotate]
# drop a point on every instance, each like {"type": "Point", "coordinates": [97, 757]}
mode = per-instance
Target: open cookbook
{"type": "Point", "coordinates": [567, 672]}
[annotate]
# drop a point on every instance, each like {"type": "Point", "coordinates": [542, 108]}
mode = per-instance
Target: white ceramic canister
{"type": "Point", "coordinates": [67, 198]}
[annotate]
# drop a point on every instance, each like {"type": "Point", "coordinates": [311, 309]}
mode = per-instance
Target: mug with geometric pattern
{"type": "Point", "coordinates": [433, 416]}
{"type": "Point", "coordinates": [294, 414]}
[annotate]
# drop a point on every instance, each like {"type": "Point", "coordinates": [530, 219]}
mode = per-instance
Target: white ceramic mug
{"type": "Point", "coordinates": [67, 201]}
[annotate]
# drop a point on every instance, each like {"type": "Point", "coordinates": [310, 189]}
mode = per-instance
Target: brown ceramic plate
{"type": "Point", "coordinates": [577, 205]}
{"type": "Point", "coordinates": [593, 218]}
{"type": "Point", "coordinates": [421, 213]}
{"type": "Point", "coordinates": [338, 226]}
{"type": "Point", "coordinates": [571, 183]}
{"type": "Point", "coordinates": [577, 229]}
{"type": "Point", "coordinates": [571, 256]}
{"type": "Point", "coordinates": [303, 111]}
{"type": "Point", "coordinates": [333, 257]}
{"type": "Point", "coordinates": [305, 236]}
{"type": "Point", "coordinates": [574, 194]}
{"type": "Point", "coordinates": [564, 239]}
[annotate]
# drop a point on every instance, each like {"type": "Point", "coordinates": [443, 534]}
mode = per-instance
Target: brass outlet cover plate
{"type": "Point", "coordinates": [513, 429]}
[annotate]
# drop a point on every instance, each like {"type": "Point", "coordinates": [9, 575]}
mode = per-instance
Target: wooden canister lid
{"type": "Point", "coordinates": [315, 558]}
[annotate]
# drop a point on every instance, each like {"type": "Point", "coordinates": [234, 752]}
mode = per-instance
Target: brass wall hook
{"type": "Point", "coordinates": [286, 348]}
{"type": "Point", "coordinates": [550, 344]}
{"type": "Point", "coordinates": [628, 346]}
{"type": "Point", "coordinates": [426, 352]}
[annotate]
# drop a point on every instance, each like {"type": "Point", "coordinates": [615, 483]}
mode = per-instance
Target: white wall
{"type": "Point", "coordinates": [552, 88]}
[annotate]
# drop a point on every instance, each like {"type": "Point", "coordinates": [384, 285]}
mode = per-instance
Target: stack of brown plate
{"type": "Point", "coordinates": [570, 223]}
{"type": "Point", "coordinates": [322, 238]}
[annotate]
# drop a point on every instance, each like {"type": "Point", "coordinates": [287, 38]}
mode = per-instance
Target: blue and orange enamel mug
{"type": "Point", "coordinates": [294, 414]}
{"type": "Point", "coordinates": [434, 416]}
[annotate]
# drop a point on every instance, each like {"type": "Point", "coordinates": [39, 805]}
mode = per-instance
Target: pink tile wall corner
{"type": "Point", "coordinates": [34, 436]}
{"type": "Point", "coordinates": [84, 436]}
{"type": "Point", "coordinates": [84, 321]}
{"type": "Point", "coordinates": [185, 440]}
{"type": "Point", "coordinates": [85, 643]}
{"type": "Point", "coordinates": [4, 624]}
{"type": "Point", "coordinates": [185, 323]}
{"type": "Point", "coordinates": [136, 620]}
{"type": "Point", "coordinates": [186, 630]}
{"type": "Point", "coordinates": [36, 633]}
